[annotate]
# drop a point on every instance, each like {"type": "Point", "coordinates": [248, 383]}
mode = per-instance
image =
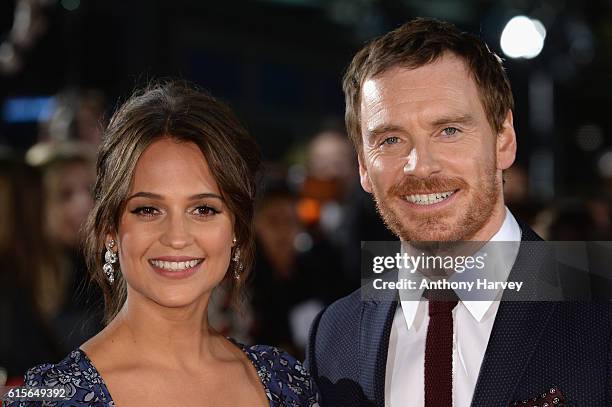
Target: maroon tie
{"type": "Point", "coordinates": [439, 354]}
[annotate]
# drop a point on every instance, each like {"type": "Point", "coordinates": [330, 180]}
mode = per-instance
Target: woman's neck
{"type": "Point", "coordinates": [160, 335]}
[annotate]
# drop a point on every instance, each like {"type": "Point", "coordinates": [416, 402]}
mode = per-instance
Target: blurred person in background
{"type": "Point", "coordinates": [294, 276]}
{"type": "Point", "coordinates": [516, 194]}
{"type": "Point", "coordinates": [580, 220]}
{"type": "Point", "coordinates": [78, 115]}
{"type": "Point", "coordinates": [335, 210]}
{"type": "Point", "coordinates": [575, 220]}
{"type": "Point", "coordinates": [516, 185]}
{"type": "Point", "coordinates": [67, 171]}
{"type": "Point", "coordinates": [330, 159]}
{"type": "Point", "coordinates": [68, 176]}
{"type": "Point", "coordinates": [27, 264]}
{"type": "Point", "coordinates": [172, 220]}
{"type": "Point", "coordinates": [330, 175]}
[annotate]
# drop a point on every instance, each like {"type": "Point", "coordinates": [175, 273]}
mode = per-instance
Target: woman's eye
{"type": "Point", "coordinates": [449, 131]}
{"type": "Point", "coordinates": [146, 211]}
{"type": "Point", "coordinates": [390, 140]}
{"type": "Point", "coordinates": [205, 211]}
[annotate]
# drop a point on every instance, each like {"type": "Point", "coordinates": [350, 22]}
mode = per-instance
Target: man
{"type": "Point", "coordinates": [429, 110]}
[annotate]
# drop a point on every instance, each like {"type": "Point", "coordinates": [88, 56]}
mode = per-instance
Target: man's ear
{"type": "Point", "coordinates": [364, 178]}
{"type": "Point", "coordinates": [506, 143]}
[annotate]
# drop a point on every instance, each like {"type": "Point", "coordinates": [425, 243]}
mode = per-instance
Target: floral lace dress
{"type": "Point", "coordinates": [285, 380]}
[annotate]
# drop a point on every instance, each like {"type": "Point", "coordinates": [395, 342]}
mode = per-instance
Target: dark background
{"type": "Point", "coordinates": [279, 64]}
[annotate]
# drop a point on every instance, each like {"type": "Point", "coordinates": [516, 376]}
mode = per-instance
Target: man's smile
{"type": "Point", "coordinates": [430, 198]}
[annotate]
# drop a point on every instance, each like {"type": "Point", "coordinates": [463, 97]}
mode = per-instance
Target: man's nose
{"type": "Point", "coordinates": [422, 161]}
{"type": "Point", "coordinates": [176, 233]}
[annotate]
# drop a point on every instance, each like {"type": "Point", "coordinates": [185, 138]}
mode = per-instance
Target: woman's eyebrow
{"type": "Point", "coordinates": [152, 195]}
{"type": "Point", "coordinates": [205, 195]}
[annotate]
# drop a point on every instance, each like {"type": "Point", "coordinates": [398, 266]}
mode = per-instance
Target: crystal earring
{"type": "Point", "coordinates": [110, 258]}
{"type": "Point", "coordinates": [238, 266]}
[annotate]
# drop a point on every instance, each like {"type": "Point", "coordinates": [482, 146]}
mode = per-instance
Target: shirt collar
{"type": "Point", "coordinates": [508, 232]}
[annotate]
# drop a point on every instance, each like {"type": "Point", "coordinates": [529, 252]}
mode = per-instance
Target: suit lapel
{"type": "Point", "coordinates": [516, 332]}
{"type": "Point", "coordinates": [375, 329]}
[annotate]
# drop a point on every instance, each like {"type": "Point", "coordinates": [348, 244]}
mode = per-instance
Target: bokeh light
{"type": "Point", "coordinates": [523, 37]}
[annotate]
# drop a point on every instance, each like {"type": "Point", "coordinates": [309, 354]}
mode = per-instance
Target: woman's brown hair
{"type": "Point", "coordinates": [180, 111]}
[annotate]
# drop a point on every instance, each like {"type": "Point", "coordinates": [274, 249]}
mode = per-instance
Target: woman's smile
{"type": "Point", "coordinates": [176, 266]}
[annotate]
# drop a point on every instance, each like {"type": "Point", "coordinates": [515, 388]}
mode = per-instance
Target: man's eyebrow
{"type": "Point", "coordinates": [158, 197]}
{"type": "Point", "coordinates": [464, 119]}
{"type": "Point", "coordinates": [383, 129]}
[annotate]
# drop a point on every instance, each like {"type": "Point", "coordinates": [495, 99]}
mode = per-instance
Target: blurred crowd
{"type": "Point", "coordinates": [45, 195]}
{"type": "Point", "coordinates": [311, 215]}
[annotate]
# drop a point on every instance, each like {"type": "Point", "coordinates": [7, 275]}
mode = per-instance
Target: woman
{"type": "Point", "coordinates": [172, 220]}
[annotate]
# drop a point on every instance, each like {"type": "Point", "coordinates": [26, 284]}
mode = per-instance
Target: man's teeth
{"type": "Point", "coordinates": [175, 265]}
{"type": "Point", "coordinates": [429, 199]}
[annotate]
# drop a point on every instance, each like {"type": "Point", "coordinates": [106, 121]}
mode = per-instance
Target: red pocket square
{"type": "Point", "coordinates": [552, 398]}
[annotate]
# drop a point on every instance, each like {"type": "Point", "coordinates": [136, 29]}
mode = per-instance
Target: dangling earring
{"type": "Point", "coordinates": [110, 258]}
{"type": "Point", "coordinates": [238, 266]}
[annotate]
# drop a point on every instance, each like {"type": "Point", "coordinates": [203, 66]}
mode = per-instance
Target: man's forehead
{"type": "Point", "coordinates": [443, 87]}
{"type": "Point", "coordinates": [446, 68]}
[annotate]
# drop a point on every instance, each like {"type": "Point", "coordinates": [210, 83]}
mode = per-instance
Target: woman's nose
{"type": "Point", "coordinates": [176, 233]}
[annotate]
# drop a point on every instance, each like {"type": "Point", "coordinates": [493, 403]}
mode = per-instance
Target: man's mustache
{"type": "Point", "coordinates": [410, 185]}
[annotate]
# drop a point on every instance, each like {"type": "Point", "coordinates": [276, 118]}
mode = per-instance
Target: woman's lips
{"type": "Point", "coordinates": [175, 266]}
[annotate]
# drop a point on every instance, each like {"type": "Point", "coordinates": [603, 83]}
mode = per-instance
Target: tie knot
{"type": "Point", "coordinates": [441, 301]}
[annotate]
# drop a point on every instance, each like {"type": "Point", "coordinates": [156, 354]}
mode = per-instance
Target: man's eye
{"type": "Point", "coordinates": [449, 131]}
{"type": "Point", "coordinates": [146, 211]}
{"type": "Point", "coordinates": [205, 211]}
{"type": "Point", "coordinates": [390, 140]}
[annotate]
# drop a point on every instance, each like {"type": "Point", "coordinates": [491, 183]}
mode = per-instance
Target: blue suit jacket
{"type": "Point", "coordinates": [534, 346]}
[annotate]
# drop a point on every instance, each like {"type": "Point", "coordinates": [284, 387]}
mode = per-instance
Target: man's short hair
{"type": "Point", "coordinates": [418, 43]}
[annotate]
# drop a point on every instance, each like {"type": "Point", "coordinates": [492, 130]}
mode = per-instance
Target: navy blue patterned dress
{"type": "Point", "coordinates": [285, 380]}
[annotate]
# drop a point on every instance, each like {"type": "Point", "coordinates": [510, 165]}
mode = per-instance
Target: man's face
{"type": "Point", "coordinates": [430, 156]}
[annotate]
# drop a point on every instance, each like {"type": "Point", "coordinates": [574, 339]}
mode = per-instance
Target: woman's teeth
{"type": "Point", "coordinates": [175, 265]}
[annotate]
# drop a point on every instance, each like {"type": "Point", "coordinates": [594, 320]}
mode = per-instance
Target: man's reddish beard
{"type": "Point", "coordinates": [434, 227]}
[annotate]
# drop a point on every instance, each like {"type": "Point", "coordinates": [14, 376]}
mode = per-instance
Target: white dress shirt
{"type": "Point", "coordinates": [472, 325]}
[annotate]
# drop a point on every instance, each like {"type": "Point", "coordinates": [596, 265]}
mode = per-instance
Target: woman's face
{"type": "Point", "coordinates": [175, 234]}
